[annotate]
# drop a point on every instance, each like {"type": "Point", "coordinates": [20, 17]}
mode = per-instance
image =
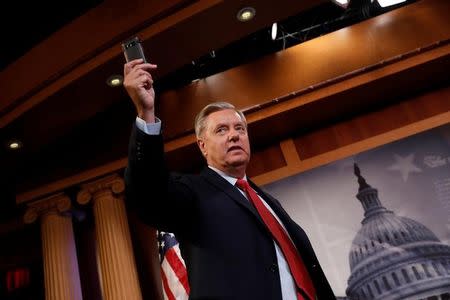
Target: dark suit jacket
{"type": "Point", "coordinates": [228, 251]}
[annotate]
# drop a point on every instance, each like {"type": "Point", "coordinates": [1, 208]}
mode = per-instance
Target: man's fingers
{"type": "Point", "coordinates": [137, 65]}
{"type": "Point", "coordinates": [146, 66]}
{"type": "Point", "coordinates": [150, 79]}
{"type": "Point", "coordinates": [130, 65]}
{"type": "Point", "coordinates": [152, 66]}
{"type": "Point", "coordinates": [135, 62]}
{"type": "Point", "coordinates": [144, 79]}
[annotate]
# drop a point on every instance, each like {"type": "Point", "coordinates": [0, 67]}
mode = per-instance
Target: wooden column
{"type": "Point", "coordinates": [118, 275]}
{"type": "Point", "coordinates": [61, 276]}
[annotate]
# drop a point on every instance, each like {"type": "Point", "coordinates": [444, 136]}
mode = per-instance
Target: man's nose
{"type": "Point", "coordinates": [234, 135]}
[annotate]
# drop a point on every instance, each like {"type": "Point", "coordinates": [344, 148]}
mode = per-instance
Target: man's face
{"type": "Point", "coordinates": [224, 141]}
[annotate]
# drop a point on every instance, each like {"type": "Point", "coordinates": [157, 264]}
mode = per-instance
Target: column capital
{"type": "Point", "coordinates": [113, 183]}
{"type": "Point", "coordinates": [56, 203]}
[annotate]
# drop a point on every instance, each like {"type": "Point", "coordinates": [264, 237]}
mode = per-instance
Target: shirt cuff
{"type": "Point", "coordinates": [149, 128]}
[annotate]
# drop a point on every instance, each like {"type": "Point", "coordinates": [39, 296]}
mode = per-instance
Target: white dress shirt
{"type": "Point", "coordinates": [288, 288]}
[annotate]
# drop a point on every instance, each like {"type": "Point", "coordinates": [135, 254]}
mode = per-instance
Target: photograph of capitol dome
{"type": "Point", "coordinates": [380, 220]}
{"type": "Point", "coordinates": [395, 257]}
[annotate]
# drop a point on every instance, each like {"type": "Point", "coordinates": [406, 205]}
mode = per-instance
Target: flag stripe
{"type": "Point", "coordinates": [167, 290]}
{"type": "Point", "coordinates": [178, 268]}
{"type": "Point", "coordinates": [173, 268]}
{"type": "Point", "coordinates": [173, 281]}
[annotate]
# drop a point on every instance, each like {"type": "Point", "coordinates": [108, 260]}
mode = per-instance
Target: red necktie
{"type": "Point", "coordinates": [295, 262]}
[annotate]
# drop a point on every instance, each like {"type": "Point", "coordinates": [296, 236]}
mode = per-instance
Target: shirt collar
{"type": "Point", "coordinates": [232, 180]}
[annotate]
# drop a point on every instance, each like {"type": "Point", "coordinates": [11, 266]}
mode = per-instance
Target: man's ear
{"type": "Point", "coordinates": [201, 146]}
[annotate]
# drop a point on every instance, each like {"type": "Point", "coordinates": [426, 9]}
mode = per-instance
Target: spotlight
{"type": "Point", "coordinates": [386, 3]}
{"type": "Point", "coordinates": [354, 4]}
{"type": "Point", "coordinates": [274, 31]}
{"type": "Point", "coordinates": [341, 3]}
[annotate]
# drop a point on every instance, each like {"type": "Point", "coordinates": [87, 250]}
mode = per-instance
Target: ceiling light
{"type": "Point", "coordinates": [115, 80]}
{"type": "Point", "coordinates": [274, 31]}
{"type": "Point", "coordinates": [385, 3]}
{"type": "Point", "coordinates": [14, 145]}
{"type": "Point", "coordinates": [341, 3]}
{"type": "Point", "coordinates": [357, 4]}
{"type": "Point", "coordinates": [246, 14]}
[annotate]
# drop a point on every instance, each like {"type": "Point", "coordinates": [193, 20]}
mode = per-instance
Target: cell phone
{"type": "Point", "coordinates": [132, 49]}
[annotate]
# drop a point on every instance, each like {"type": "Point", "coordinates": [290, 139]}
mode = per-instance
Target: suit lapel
{"type": "Point", "coordinates": [231, 191]}
{"type": "Point", "coordinates": [299, 237]}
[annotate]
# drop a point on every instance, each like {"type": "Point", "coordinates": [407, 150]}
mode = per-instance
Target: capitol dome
{"type": "Point", "coordinates": [386, 230]}
{"type": "Point", "coordinates": [395, 257]}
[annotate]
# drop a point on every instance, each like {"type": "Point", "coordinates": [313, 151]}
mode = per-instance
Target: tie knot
{"type": "Point", "coordinates": [242, 184]}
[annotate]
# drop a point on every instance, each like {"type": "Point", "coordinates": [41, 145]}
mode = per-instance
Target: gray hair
{"type": "Point", "coordinates": [200, 119]}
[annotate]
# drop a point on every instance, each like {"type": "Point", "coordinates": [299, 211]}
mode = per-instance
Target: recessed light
{"type": "Point", "coordinates": [246, 14]}
{"type": "Point", "coordinates": [115, 80]}
{"type": "Point", "coordinates": [14, 145]}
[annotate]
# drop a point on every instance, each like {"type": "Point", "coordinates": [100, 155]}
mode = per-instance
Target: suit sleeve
{"type": "Point", "coordinates": [160, 199]}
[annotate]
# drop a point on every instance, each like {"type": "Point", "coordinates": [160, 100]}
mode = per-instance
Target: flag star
{"type": "Point", "coordinates": [404, 165]}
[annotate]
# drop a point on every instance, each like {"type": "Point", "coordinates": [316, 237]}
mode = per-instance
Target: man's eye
{"type": "Point", "coordinates": [221, 130]}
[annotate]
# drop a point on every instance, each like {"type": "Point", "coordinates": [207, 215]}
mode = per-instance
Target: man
{"type": "Point", "coordinates": [237, 241]}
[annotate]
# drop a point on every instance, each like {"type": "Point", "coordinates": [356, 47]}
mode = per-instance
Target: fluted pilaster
{"type": "Point", "coordinates": [118, 272]}
{"type": "Point", "coordinates": [61, 275]}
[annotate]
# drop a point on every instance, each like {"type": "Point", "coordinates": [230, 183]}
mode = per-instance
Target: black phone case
{"type": "Point", "coordinates": [132, 49]}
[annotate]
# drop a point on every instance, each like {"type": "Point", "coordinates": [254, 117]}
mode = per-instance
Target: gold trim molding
{"type": "Point", "coordinates": [114, 183]}
{"type": "Point", "coordinates": [58, 203]}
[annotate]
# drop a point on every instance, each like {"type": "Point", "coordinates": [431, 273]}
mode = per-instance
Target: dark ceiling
{"type": "Point", "coordinates": [24, 27]}
{"type": "Point", "coordinates": [63, 131]}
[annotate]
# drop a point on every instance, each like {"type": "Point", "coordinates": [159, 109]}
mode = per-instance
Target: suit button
{"type": "Point", "coordinates": [273, 268]}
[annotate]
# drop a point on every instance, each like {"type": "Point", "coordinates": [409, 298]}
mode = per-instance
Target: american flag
{"type": "Point", "coordinates": [173, 269]}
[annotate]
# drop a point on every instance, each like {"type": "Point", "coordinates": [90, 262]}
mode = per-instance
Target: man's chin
{"type": "Point", "coordinates": [238, 162]}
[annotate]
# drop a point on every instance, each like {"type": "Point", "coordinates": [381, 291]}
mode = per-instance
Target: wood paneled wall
{"type": "Point", "coordinates": [349, 137]}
